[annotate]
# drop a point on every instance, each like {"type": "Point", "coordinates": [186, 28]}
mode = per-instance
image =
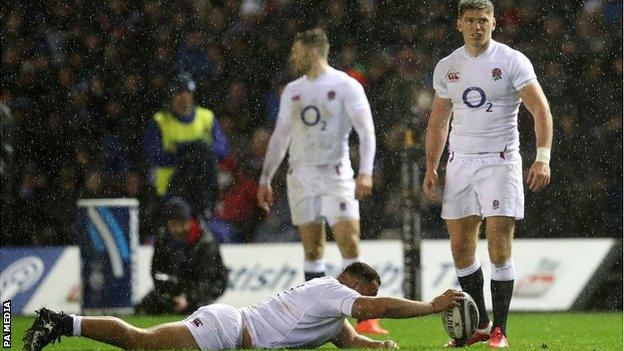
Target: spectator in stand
{"type": "Point", "coordinates": [237, 213]}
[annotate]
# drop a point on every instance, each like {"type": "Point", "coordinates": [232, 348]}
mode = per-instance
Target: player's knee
{"type": "Point", "coordinates": [136, 339]}
{"type": "Point", "coordinates": [348, 250]}
{"type": "Point", "coordinates": [313, 253]}
{"type": "Point", "coordinates": [499, 251]}
{"type": "Point", "coordinates": [499, 257]}
{"type": "Point", "coordinates": [463, 255]}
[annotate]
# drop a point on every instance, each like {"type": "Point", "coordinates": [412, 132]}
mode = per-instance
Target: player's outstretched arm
{"type": "Point", "coordinates": [366, 307]}
{"type": "Point", "coordinates": [437, 132]}
{"type": "Point", "coordinates": [349, 338]}
{"type": "Point", "coordinates": [535, 101]}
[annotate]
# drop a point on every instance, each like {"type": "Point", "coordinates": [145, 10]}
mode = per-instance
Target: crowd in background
{"type": "Point", "coordinates": [82, 79]}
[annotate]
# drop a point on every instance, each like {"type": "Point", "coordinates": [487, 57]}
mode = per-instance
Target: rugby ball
{"type": "Point", "coordinates": [460, 322]}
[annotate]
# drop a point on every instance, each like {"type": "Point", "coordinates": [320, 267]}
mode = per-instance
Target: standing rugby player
{"type": "Point", "coordinates": [317, 113]}
{"type": "Point", "coordinates": [482, 85]}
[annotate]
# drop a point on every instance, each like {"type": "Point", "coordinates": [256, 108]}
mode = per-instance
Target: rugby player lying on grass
{"type": "Point", "coordinates": [306, 316]}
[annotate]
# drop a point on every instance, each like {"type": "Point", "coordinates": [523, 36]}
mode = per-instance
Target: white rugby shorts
{"type": "Point", "coordinates": [326, 191]}
{"type": "Point", "coordinates": [485, 185]}
{"type": "Point", "coordinates": [216, 327]}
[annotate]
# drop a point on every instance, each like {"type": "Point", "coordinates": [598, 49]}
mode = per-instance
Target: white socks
{"type": "Point", "coordinates": [77, 329]}
{"type": "Point", "coordinates": [504, 272]}
{"type": "Point", "coordinates": [317, 266]}
{"type": "Point", "coordinates": [463, 272]}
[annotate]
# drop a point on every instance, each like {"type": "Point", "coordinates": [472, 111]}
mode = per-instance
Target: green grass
{"type": "Point", "coordinates": [527, 331]}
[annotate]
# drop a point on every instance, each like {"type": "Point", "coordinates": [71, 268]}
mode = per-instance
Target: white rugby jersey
{"type": "Point", "coordinates": [314, 122]}
{"type": "Point", "coordinates": [307, 316]}
{"type": "Point", "coordinates": [484, 91]}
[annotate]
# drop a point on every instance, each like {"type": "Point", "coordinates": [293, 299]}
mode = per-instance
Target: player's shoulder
{"type": "Point", "coordinates": [337, 76]}
{"type": "Point", "coordinates": [449, 61]}
{"type": "Point", "coordinates": [507, 53]}
{"type": "Point", "coordinates": [290, 88]}
{"type": "Point", "coordinates": [293, 84]}
{"type": "Point", "coordinates": [453, 56]}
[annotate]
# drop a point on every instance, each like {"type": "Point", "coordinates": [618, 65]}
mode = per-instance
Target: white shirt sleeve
{"type": "Point", "coordinates": [355, 99]}
{"type": "Point", "coordinates": [280, 139]}
{"type": "Point", "coordinates": [363, 124]}
{"type": "Point", "coordinates": [358, 109]}
{"type": "Point", "coordinates": [523, 73]}
{"type": "Point", "coordinates": [338, 300]}
{"type": "Point", "coordinates": [439, 81]}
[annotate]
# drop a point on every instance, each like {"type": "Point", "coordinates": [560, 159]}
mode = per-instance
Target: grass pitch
{"type": "Point", "coordinates": [527, 331]}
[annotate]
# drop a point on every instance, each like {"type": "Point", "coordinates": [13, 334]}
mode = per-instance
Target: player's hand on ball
{"type": "Point", "coordinates": [389, 344]}
{"type": "Point", "coordinates": [448, 299]}
{"type": "Point", "coordinates": [363, 186]}
{"type": "Point", "coordinates": [538, 177]}
{"type": "Point", "coordinates": [430, 183]}
{"type": "Point", "coordinates": [265, 197]}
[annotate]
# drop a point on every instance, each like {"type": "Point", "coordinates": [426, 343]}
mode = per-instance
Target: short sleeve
{"type": "Point", "coordinates": [355, 98]}
{"type": "Point", "coordinates": [339, 299]}
{"type": "Point", "coordinates": [439, 81]}
{"type": "Point", "coordinates": [523, 73]}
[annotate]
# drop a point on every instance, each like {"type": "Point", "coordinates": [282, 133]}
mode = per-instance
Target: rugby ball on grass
{"type": "Point", "coordinates": [460, 322]}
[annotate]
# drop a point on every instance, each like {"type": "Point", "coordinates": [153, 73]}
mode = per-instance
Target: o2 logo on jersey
{"type": "Point", "coordinates": [471, 92]}
{"type": "Point", "coordinates": [310, 115]}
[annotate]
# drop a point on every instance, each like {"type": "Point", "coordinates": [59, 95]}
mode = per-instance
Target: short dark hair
{"type": "Point", "coordinates": [315, 38]}
{"type": "Point", "coordinates": [465, 5]}
{"type": "Point", "coordinates": [362, 272]}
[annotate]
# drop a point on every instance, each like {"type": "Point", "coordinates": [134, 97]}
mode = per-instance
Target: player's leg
{"type": "Point", "coordinates": [305, 212]}
{"type": "Point", "coordinates": [462, 212]}
{"type": "Point", "coordinates": [49, 326]}
{"type": "Point", "coordinates": [343, 215]}
{"type": "Point", "coordinates": [499, 231]}
{"type": "Point", "coordinates": [313, 240]}
{"type": "Point", "coordinates": [347, 236]}
{"type": "Point", "coordinates": [464, 234]}
{"type": "Point", "coordinates": [114, 331]}
{"type": "Point", "coordinates": [342, 212]}
{"type": "Point", "coordinates": [501, 196]}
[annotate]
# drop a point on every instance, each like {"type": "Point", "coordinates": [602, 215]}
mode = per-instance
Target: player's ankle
{"type": "Point", "coordinates": [72, 325]}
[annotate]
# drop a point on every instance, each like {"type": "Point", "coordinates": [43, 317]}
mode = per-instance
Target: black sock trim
{"type": "Point", "coordinates": [312, 275]}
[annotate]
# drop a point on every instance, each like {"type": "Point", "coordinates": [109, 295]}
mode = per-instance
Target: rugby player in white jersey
{"type": "Point", "coordinates": [482, 85]}
{"type": "Point", "coordinates": [316, 115]}
{"type": "Point", "coordinates": [306, 316]}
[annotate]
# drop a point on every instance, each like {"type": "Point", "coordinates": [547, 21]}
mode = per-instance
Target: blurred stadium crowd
{"type": "Point", "coordinates": [82, 79]}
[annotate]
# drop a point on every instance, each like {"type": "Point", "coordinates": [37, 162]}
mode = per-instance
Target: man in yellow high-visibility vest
{"type": "Point", "coordinates": [181, 132]}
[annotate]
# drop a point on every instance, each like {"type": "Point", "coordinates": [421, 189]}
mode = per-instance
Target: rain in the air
{"type": "Point", "coordinates": [272, 174]}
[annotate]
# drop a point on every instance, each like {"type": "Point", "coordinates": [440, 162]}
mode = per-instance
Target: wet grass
{"type": "Point", "coordinates": [527, 331]}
